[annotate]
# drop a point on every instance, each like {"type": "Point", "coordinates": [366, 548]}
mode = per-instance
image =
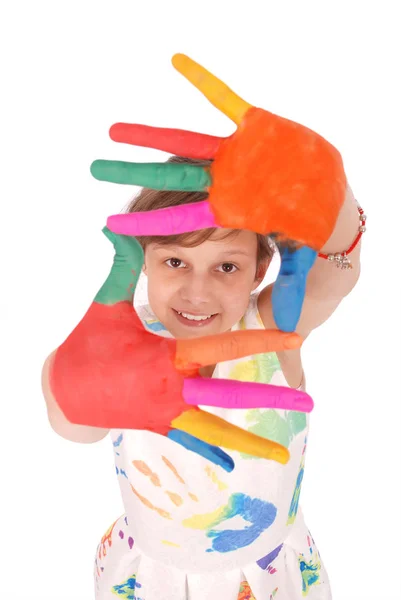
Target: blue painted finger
{"type": "Point", "coordinates": [212, 453]}
{"type": "Point", "coordinates": [289, 289]}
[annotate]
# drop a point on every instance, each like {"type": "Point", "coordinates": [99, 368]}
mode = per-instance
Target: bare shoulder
{"type": "Point", "coordinates": [290, 360]}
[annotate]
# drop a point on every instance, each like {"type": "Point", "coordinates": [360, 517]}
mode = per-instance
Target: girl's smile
{"type": "Point", "coordinates": [194, 320]}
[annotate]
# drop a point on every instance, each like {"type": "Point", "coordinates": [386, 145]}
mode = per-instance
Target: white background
{"type": "Point", "coordinates": [71, 69]}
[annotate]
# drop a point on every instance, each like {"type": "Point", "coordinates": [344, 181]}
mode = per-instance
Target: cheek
{"type": "Point", "coordinates": [241, 283]}
{"type": "Point", "coordinates": [235, 299]}
{"type": "Point", "coordinates": [161, 288]}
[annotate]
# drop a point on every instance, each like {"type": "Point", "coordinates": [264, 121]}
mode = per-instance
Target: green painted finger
{"type": "Point", "coordinates": [158, 176]}
{"type": "Point", "coordinates": [121, 283]}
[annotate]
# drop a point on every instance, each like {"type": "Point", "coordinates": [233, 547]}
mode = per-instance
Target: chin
{"type": "Point", "coordinates": [181, 331]}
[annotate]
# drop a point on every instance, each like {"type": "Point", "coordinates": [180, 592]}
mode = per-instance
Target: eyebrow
{"type": "Point", "coordinates": [235, 251]}
{"type": "Point", "coordinates": [165, 247]}
{"type": "Point", "coordinates": [171, 249]}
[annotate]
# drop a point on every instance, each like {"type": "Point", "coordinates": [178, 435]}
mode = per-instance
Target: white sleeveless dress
{"type": "Point", "coordinates": [191, 530]}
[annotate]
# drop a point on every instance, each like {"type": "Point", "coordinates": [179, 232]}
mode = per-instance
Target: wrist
{"type": "Point", "coordinates": [346, 228]}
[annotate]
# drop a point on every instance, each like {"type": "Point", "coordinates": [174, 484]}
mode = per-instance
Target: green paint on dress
{"type": "Point", "coordinates": [296, 422]}
{"type": "Point", "coordinates": [270, 425]}
{"type": "Point", "coordinates": [277, 426]}
{"type": "Point", "coordinates": [260, 368]}
{"type": "Point", "coordinates": [310, 572]}
{"type": "Point", "coordinates": [128, 589]}
{"type": "Point", "coordinates": [293, 511]}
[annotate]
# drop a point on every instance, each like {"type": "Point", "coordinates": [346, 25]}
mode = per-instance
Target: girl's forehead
{"type": "Point", "coordinates": [223, 242]}
{"type": "Point", "coordinates": [233, 238]}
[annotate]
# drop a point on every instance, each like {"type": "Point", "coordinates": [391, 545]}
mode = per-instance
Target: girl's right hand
{"type": "Point", "coordinates": [272, 176]}
{"type": "Point", "coordinates": [112, 373]}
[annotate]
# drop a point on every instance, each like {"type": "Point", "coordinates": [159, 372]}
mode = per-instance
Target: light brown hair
{"type": "Point", "coordinates": [148, 199]}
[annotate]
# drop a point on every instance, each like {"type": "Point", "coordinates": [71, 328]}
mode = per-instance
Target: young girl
{"type": "Point", "coordinates": [190, 528]}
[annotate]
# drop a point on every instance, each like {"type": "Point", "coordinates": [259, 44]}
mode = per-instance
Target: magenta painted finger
{"type": "Point", "coordinates": [174, 141]}
{"type": "Point", "coordinates": [164, 221]}
{"type": "Point", "coordinates": [227, 393]}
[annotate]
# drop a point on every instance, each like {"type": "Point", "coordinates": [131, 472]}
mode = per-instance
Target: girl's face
{"type": "Point", "coordinates": [203, 290]}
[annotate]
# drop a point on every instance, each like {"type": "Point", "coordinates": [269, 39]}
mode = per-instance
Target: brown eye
{"type": "Point", "coordinates": [175, 263]}
{"type": "Point", "coordinates": [228, 268]}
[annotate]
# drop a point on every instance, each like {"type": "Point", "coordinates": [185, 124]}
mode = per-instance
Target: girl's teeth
{"type": "Point", "coordinates": [193, 317]}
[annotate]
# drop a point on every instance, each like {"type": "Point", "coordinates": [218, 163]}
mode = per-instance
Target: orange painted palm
{"type": "Point", "coordinates": [271, 175]}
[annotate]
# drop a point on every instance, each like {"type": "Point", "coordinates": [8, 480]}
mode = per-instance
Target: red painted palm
{"type": "Point", "coordinates": [112, 373]}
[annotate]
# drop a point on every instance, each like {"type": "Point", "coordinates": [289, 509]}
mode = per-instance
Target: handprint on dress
{"type": "Point", "coordinates": [293, 511]}
{"type": "Point", "coordinates": [128, 589]}
{"type": "Point", "coordinates": [106, 544]}
{"type": "Point", "coordinates": [270, 424]}
{"type": "Point", "coordinates": [278, 426]}
{"type": "Point", "coordinates": [310, 567]}
{"type": "Point", "coordinates": [257, 513]}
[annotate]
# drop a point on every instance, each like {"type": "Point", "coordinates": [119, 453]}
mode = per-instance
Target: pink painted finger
{"type": "Point", "coordinates": [175, 141]}
{"type": "Point", "coordinates": [164, 221]}
{"type": "Point", "coordinates": [227, 393]}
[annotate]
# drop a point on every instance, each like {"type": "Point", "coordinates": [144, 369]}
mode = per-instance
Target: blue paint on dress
{"type": "Point", "coordinates": [258, 513]}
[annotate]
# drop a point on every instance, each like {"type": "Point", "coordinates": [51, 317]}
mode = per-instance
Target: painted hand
{"type": "Point", "coordinates": [112, 373]}
{"type": "Point", "coordinates": [272, 176]}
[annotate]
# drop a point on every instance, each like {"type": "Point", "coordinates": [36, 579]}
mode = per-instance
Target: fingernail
{"type": "Point", "coordinates": [303, 403]}
{"type": "Point", "coordinates": [292, 341]}
{"type": "Point", "coordinates": [280, 455]}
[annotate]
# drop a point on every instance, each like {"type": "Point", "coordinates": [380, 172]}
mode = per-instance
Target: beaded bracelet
{"type": "Point", "coordinates": [341, 259]}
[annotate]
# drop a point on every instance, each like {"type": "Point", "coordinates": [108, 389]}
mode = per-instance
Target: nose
{"type": "Point", "coordinates": [196, 289]}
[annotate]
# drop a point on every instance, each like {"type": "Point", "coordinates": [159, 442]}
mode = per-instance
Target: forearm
{"type": "Point", "coordinates": [325, 280]}
{"type": "Point", "coordinates": [59, 423]}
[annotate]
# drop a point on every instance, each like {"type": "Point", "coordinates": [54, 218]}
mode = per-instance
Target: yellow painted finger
{"type": "Point", "coordinates": [218, 432]}
{"type": "Point", "coordinates": [217, 92]}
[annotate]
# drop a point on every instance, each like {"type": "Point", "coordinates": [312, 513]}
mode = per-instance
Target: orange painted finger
{"type": "Point", "coordinates": [195, 353]}
{"type": "Point", "coordinates": [218, 432]}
